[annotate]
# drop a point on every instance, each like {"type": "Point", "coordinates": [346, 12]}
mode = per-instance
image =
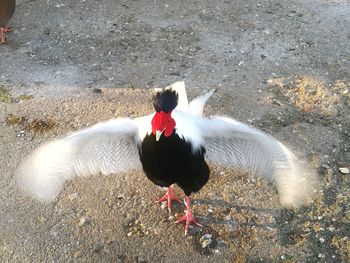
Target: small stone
{"type": "Point", "coordinates": [71, 197]}
{"type": "Point", "coordinates": [206, 243]}
{"type": "Point", "coordinates": [97, 248]}
{"type": "Point", "coordinates": [83, 221]}
{"type": "Point", "coordinates": [77, 254]}
{"type": "Point", "coordinates": [163, 205]}
{"type": "Point", "coordinates": [96, 90]}
{"type": "Point", "coordinates": [206, 240]}
{"type": "Point", "coordinates": [344, 170]}
{"type": "Point", "coordinates": [175, 73]}
{"type": "Point", "coordinates": [326, 166]}
{"type": "Point", "coordinates": [210, 210]}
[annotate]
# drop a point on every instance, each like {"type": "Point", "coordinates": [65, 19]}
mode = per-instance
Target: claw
{"type": "Point", "coordinates": [188, 217]}
{"type": "Point", "coordinates": [6, 29]}
{"type": "Point", "coordinates": [169, 197]}
{"type": "Point", "coordinates": [3, 36]}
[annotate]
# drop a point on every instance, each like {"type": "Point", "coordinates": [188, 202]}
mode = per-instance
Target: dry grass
{"type": "Point", "coordinates": [5, 95]}
{"type": "Point", "coordinates": [41, 125]}
{"type": "Point", "coordinates": [26, 97]}
{"type": "Point", "coordinates": [312, 95]}
{"type": "Point", "coordinates": [13, 119]}
{"type": "Point", "coordinates": [35, 126]}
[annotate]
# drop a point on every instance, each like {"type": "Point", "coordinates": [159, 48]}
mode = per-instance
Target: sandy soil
{"type": "Point", "coordinates": [281, 66]}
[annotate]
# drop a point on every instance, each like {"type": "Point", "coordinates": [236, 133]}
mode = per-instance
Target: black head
{"type": "Point", "coordinates": [165, 100]}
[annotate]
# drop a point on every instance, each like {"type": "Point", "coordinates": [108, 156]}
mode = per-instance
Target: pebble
{"type": "Point", "coordinates": [71, 197]}
{"type": "Point", "coordinates": [227, 218]}
{"type": "Point", "coordinates": [326, 166]}
{"type": "Point", "coordinates": [77, 254]}
{"type": "Point", "coordinates": [206, 240]}
{"type": "Point", "coordinates": [344, 170]}
{"type": "Point", "coordinates": [96, 90]}
{"type": "Point", "coordinates": [163, 205]}
{"type": "Point", "coordinates": [210, 210]}
{"type": "Point", "coordinates": [83, 221]}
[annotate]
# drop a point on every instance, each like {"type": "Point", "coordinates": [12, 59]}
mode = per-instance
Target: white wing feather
{"type": "Point", "coordinates": [108, 147]}
{"type": "Point", "coordinates": [233, 144]}
{"type": "Point", "coordinates": [111, 147]}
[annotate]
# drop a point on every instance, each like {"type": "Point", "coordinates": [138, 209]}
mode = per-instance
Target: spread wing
{"type": "Point", "coordinates": [233, 144]}
{"type": "Point", "coordinates": [108, 147]}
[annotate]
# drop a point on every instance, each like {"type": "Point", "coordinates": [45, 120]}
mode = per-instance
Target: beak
{"type": "Point", "coordinates": [158, 134]}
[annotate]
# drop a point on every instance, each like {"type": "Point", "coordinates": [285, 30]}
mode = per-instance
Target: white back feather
{"type": "Point", "coordinates": [196, 106]}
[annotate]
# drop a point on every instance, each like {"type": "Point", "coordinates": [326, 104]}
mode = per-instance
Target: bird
{"type": "Point", "coordinates": [173, 146]}
{"type": "Point", "coordinates": [7, 8]}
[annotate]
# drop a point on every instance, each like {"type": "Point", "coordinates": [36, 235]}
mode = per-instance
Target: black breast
{"type": "Point", "coordinates": [7, 7]}
{"type": "Point", "coordinates": [171, 160]}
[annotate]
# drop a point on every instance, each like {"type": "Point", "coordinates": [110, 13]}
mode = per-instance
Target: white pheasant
{"type": "Point", "coordinates": [172, 146]}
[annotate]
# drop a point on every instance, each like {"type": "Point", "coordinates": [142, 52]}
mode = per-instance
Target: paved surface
{"type": "Point", "coordinates": [282, 66]}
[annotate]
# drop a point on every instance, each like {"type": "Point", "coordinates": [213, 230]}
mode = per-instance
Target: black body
{"type": "Point", "coordinates": [7, 7]}
{"type": "Point", "coordinates": [171, 160]}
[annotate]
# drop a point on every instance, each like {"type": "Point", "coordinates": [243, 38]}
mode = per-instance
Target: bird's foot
{"type": "Point", "coordinates": [169, 197]}
{"type": "Point", "coordinates": [6, 29]}
{"type": "Point", "coordinates": [188, 217]}
{"type": "Point", "coordinates": [3, 36]}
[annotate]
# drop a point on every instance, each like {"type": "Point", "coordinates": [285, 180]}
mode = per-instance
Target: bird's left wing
{"type": "Point", "coordinates": [233, 144]}
{"type": "Point", "coordinates": [108, 147]}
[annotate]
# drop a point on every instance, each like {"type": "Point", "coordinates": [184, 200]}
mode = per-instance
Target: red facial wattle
{"type": "Point", "coordinates": [164, 123]}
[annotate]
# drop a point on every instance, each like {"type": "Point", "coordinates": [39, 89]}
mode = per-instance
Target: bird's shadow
{"type": "Point", "coordinates": [214, 219]}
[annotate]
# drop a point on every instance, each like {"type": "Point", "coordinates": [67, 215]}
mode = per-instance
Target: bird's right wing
{"type": "Point", "coordinates": [233, 144]}
{"type": "Point", "coordinates": [108, 147]}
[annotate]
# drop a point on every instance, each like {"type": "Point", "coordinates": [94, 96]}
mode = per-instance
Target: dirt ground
{"type": "Point", "coordinates": [281, 66]}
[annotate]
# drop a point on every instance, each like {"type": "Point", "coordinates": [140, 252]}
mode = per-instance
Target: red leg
{"type": "Point", "coordinates": [6, 29]}
{"type": "Point", "coordinates": [2, 36]}
{"type": "Point", "coordinates": [188, 217]}
{"type": "Point", "coordinates": [169, 197]}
